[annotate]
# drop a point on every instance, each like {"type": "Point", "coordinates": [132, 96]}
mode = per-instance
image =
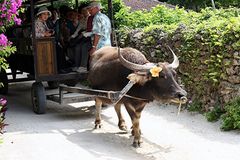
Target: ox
{"type": "Point", "coordinates": [111, 69]}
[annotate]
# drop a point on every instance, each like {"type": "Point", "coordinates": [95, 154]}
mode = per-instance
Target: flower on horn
{"type": "Point", "coordinates": [155, 71]}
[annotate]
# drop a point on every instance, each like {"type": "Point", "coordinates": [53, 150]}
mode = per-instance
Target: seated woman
{"type": "Point", "coordinates": [41, 28]}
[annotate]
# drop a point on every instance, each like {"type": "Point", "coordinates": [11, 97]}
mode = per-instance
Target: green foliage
{"type": "Point", "coordinates": [195, 106]}
{"type": "Point", "coordinates": [159, 15]}
{"type": "Point", "coordinates": [3, 109]}
{"type": "Point", "coordinates": [70, 3]}
{"type": "Point", "coordinates": [202, 41]}
{"type": "Point", "coordinates": [9, 17]}
{"type": "Point", "coordinates": [218, 31]}
{"type": "Point", "coordinates": [191, 4]}
{"type": "Point", "coordinates": [227, 3]}
{"type": "Point", "coordinates": [231, 119]}
{"type": "Point", "coordinates": [214, 115]}
{"type": "Point", "coordinates": [116, 5]}
{"type": "Point", "coordinates": [198, 4]}
{"type": "Point", "coordinates": [4, 54]}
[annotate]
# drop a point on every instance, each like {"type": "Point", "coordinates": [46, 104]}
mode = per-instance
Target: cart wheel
{"type": "Point", "coordinates": [4, 81]}
{"type": "Point", "coordinates": [38, 98]}
{"type": "Point", "coordinates": [53, 84]}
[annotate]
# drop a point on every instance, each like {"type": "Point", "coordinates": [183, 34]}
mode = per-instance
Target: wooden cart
{"type": "Point", "coordinates": [37, 56]}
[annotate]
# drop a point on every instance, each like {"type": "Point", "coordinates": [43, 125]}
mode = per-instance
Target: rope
{"type": "Point", "coordinates": [137, 98]}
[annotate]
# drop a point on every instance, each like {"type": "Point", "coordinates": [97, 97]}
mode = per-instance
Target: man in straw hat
{"type": "Point", "coordinates": [41, 28]}
{"type": "Point", "coordinates": [101, 27]}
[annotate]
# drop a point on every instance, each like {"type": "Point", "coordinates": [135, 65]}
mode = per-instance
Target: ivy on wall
{"type": "Point", "coordinates": [207, 44]}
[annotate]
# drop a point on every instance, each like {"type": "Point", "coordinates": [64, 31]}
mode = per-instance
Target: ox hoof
{"type": "Point", "coordinates": [137, 144]}
{"type": "Point", "coordinates": [123, 127]}
{"type": "Point", "coordinates": [98, 126]}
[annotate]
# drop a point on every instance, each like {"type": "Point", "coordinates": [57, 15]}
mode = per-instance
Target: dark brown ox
{"type": "Point", "coordinates": [111, 69]}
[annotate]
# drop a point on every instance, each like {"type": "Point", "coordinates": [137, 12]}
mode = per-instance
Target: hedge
{"type": "Point", "coordinates": [207, 44]}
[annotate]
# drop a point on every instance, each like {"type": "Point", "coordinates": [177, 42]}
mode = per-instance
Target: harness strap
{"type": "Point", "coordinates": [123, 93]}
{"type": "Point", "coordinates": [137, 98]}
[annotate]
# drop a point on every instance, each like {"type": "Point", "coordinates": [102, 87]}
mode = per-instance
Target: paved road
{"type": "Point", "coordinates": [66, 133]}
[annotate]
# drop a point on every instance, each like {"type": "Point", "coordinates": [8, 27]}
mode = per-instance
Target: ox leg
{"type": "Point", "coordinates": [98, 105]}
{"type": "Point", "coordinates": [135, 114]}
{"type": "Point", "coordinates": [121, 121]}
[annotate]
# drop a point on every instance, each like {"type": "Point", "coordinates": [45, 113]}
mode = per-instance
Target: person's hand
{"type": "Point", "coordinates": [87, 34]}
{"type": "Point", "coordinates": [49, 33]}
{"type": "Point", "coordinates": [92, 50]}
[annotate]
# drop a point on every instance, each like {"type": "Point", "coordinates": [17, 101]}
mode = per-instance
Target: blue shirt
{"type": "Point", "coordinates": [102, 27]}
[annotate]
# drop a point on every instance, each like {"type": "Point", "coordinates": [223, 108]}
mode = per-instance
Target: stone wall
{"type": "Point", "coordinates": [229, 87]}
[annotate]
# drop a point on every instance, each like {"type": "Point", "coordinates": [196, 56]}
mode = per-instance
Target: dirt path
{"type": "Point", "coordinates": [66, 133]}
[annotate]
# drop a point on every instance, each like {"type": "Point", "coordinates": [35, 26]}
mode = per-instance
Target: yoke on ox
{"type": "Point", "coordinates": [112, 68]}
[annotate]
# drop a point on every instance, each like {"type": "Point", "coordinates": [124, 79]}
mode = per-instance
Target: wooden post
{"type": "Point", "coordinates": [213, 4]}
{"type": "Point", "coordinates": [110, 15]}
{"type": "Point", "coordinates": [110, 10]}
{"type": "Point", "coordinates": [51, 3]}
{"type": "Point", "coordinates": [32, 4]}
{"type": "Point", "coordinates": [76, 4]}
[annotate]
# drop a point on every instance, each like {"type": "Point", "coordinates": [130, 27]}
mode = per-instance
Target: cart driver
{"type": "Point", "coordinates": [101, 27]}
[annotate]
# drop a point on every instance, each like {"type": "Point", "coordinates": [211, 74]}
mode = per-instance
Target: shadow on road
{"type": "Point", "coordinates": [160, 126]}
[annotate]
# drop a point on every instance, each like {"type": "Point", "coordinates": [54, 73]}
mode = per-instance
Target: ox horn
{"type": "Point", "coordinates": [134, 66]}
{"type": "Point", "coordinates": [175, 62]}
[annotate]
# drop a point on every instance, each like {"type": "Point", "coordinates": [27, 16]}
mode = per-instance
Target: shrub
{"type": "Point", "coordinates": [231, 119]}
{"type": "Point", "coordinates": [8, 14]}
{"type": "Point", "coordinates": [157, 16]}
{"type": "Point", "coordinates": [197, 4]}
{"type": "Point", "coordinates": [8, 17]}
{"type": "Point", "coordinates": [207, 44]}
{"type": "Point", "coordinates": [214, 114]}
{"type": "Point", "coordinates": [195, 106]}
{"type": "Point", "coordinates": [3, 109]}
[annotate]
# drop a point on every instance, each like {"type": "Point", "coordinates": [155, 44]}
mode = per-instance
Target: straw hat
{"type": "Point", "coordinates": [43, 10]}
{"type": "Point", "coordinates": [94, 4]}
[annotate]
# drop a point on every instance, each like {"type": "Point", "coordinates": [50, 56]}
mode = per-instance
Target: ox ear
{"type": "Point", "coordinates": [139, 78]}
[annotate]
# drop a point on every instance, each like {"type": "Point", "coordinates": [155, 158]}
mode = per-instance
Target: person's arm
{"type": "Point", "coordinates": [39, 31]}
{"type": "Point", "coordinates": [75, 34]}
{"type": "Point", "coordinates": [95, 43]}
{"type": "Point", "coordinates": [97, 33]}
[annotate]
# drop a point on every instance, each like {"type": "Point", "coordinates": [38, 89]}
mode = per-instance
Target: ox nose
{"type": "Point", "coordinates": [181, 94]}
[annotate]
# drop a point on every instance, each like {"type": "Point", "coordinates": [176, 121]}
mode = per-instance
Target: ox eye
{"type": "Point", "coordinates": [174, 73]}
{"type": "Point", "coordinates": [162, 75]}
